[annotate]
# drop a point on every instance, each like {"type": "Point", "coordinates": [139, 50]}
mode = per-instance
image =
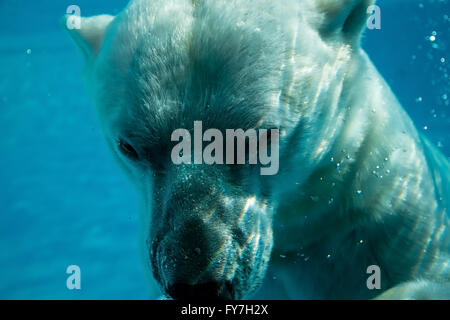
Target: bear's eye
{"type": "Point", "coordinates": [127, 150]}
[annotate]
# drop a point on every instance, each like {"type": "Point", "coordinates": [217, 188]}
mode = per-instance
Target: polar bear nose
{"type": "Point", "coordinates": [202, 291]}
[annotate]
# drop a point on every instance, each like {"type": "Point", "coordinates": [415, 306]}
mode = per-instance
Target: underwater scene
{"type": "Point", "coordinates": [337, 189]}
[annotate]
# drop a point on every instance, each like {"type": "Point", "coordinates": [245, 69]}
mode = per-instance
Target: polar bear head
{"type": "Point", "coordinates": [159, 66]}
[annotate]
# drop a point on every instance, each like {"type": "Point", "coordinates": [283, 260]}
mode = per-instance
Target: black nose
{"type": "Point", "coordinates": [201, 291]}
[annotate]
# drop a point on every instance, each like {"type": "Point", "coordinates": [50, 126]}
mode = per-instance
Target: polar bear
{"type": "Point", "coordinates": [357, 185]}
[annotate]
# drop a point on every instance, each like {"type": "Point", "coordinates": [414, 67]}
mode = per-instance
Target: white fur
{"type": "Point", "coordinates": [357, 184]}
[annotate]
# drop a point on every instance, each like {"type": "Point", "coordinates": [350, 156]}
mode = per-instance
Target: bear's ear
{"type": "Point", "coordinates": [88, 33]}
{"type": "Point", "coordinates": [345, 19]}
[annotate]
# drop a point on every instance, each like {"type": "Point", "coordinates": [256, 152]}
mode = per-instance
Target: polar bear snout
{"type": "Point", "coordinates": [192, 261]}
{"type": "Point", "coordinates": [208, 238]}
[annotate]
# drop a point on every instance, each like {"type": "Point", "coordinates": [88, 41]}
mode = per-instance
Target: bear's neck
{"type": "Point", "coordinates": [358, 192]}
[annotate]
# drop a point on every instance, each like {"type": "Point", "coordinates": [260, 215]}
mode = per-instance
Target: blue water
{"type": "Point", "coordinates": [63, 200]}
